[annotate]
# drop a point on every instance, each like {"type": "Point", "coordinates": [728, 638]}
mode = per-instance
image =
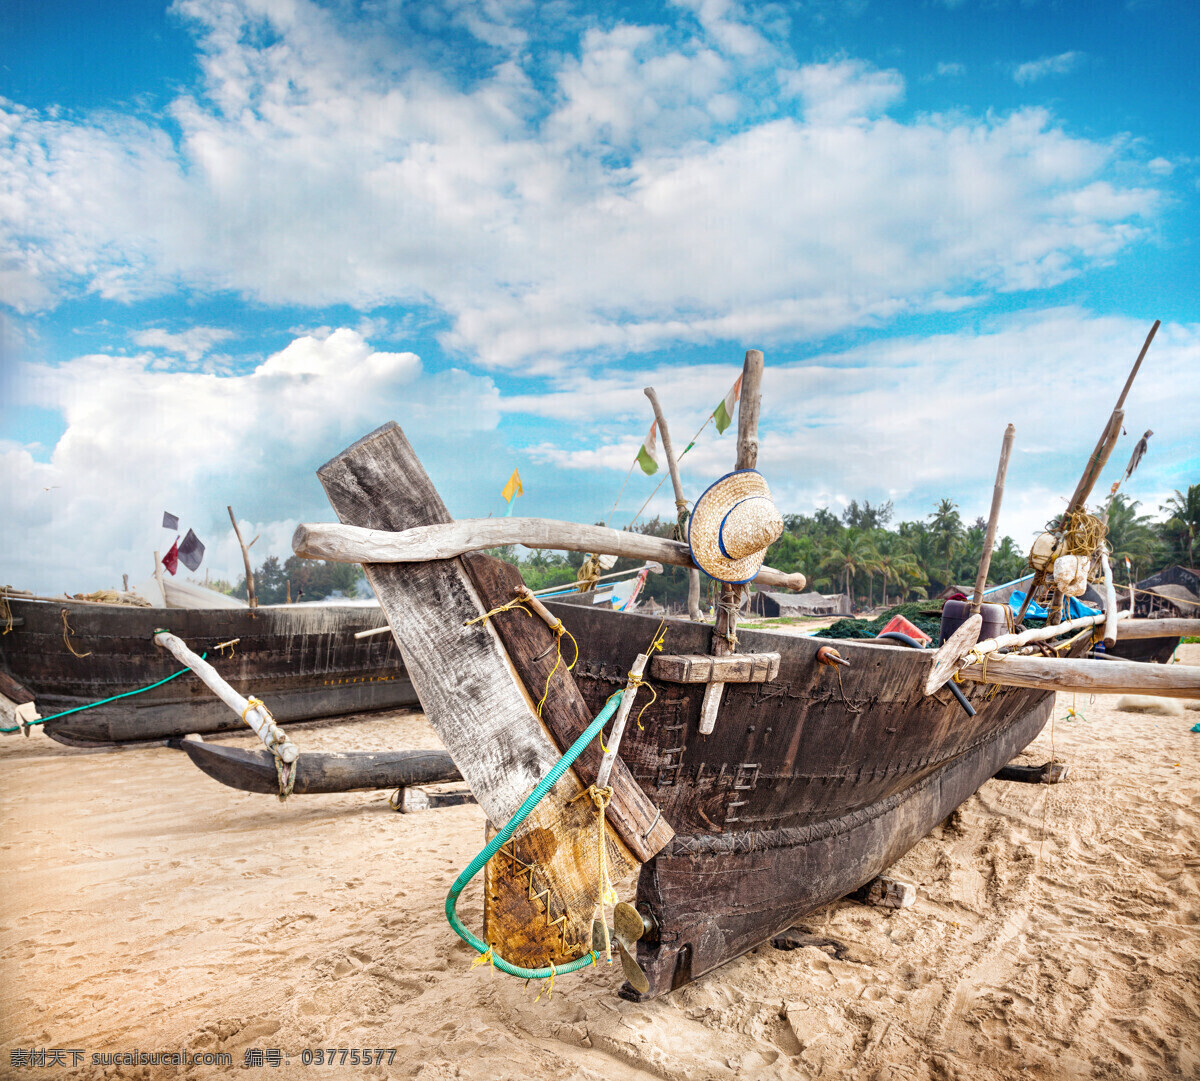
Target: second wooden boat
{"type": "Point", "coordinates": [88, 665]}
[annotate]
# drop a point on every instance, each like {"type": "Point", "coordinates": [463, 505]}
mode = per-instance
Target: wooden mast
{"type": "Point", "coordinates": [680, 502]}
{"type": "Point", "coordinates": [985, 560]}
{"type": "Point", "coordinates": [725, 627]}
{"type": "Point", "coordinates": [250, 598]}
{"type": "Point", "coordinates": [1095, 465]}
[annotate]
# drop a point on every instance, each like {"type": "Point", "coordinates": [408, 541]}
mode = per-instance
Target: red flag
{"type": "Point", "coordinates": [171, 559]}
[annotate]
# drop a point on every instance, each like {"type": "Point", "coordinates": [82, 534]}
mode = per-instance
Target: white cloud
{"type": "Point", "coordinates": [1033, 70]}
{"type": "Point", "coordinates": [191, 344]}
{"type": "Point", "coordinates": [655, 196]}
{"type": "Point", "coordinates": [951, 69]}
{"type": "Point", "coordinates": [140, 440]}
{"type": "Point", "coordinates": [843, 90]}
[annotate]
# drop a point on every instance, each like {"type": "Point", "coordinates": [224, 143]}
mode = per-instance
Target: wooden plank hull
{"type": "Point", "coordinates": [303, 661]}
{"type": "Point", "coordinates": [807, 788]}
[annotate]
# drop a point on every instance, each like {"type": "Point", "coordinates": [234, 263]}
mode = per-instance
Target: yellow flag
{"type": "Point", "coordinates": [513, 487]}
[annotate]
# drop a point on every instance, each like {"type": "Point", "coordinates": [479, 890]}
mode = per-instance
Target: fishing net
{"type": "Point", "coordinates": [927, 615]}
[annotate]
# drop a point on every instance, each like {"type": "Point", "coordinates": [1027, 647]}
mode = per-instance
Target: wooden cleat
{"type": "Point", "coordinates": [885, 892]}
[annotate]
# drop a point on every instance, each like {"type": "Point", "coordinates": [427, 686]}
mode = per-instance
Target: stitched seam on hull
{"type": "Point", "coordinates": [761, 840]}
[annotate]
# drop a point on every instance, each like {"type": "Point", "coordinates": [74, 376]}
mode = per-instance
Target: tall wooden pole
{"type": "Point", "coordinates": [985, 560]}
{"type": "Point", "coordinates": [250, 598]}
{"type": "Point", "coordinates": [680, 502]}
{"type": "Point", "coordinates": [725, 626]}
{"type": "Point", "coordinates": [1095, 464]}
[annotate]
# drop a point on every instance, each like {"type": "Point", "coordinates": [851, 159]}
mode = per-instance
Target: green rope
{"type": "Point", "coordinates": [93, 705]}
{"type": "Point", "coordinates": [501, 838]}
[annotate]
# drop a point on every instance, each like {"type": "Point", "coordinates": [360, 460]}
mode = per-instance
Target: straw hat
{"type": "Point", "coordinates": [732, 525]}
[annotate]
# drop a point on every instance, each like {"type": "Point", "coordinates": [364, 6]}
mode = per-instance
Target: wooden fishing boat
{"type": "Point", "coordinates": [766, 776]}
{"type": "Point", "coordinates": [304, 660]}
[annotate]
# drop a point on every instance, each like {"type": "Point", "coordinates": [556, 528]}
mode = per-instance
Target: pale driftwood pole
{"type": "Point", "coordinates": [159, 578]}
{"type": "Point", "coordinates": [1129, 629]}
{"type": "Point", "coordinates": [263, 724]}
{"type": "Point", "coordinates": [1110, 602]}
{"type": "Point", "coordinates": [680, 502]}
{"type": "Point", "coordinates": [985, 561]}
{"type": "Point", "coordinates": [250, 598]}
{"type": "Point", "coordinates": [420, 544]}
{"type": "Point", "coordinates": [725, 626]}
{"type": "Point", "coordinates": [1096, 462]}
{"type": "Point", "coordinates": [618, 725]}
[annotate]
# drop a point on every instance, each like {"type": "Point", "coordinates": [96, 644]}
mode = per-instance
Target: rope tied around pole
{"type": "Point", "coordinates": [559, 629]}
{"type": "Point", "coordinates": [496, 611]}
{"type": "Point", "coordinates": [606, 895]}
{"type": "Point", "coordinates": [682, 513]}
{"type": "Point", "coordinates": [284, 771]}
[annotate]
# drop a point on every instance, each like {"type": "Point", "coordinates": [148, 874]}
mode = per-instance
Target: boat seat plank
{"type": "Point", "coordinates": [706, 668]}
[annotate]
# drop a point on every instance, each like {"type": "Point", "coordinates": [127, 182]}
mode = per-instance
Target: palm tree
{"type": "Point", "coordinates": [947, 529]}
{"type": "Point", "coordinates": [1130, 534]}
{"type": "Point", "coordinates": [896, 566]}
{"type": "Point", "coordinates": [1183, 526]}
{"type": "Point", "coordinates": [847, 555]}
{"type": "Point", "coordinates": [1008, 561]}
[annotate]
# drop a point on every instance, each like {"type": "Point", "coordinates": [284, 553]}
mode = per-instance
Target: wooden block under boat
{"type": "Point", "coordinates": [705, 668]}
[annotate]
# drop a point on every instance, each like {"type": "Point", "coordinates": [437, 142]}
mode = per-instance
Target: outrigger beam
{"type": "Point", "coordinates": [446, 540]}
{"type": "Point", "coordinates": [1097, 677]}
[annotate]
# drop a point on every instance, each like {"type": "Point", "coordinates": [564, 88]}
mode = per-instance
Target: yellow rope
{"type": "Point", "coordinates": [559, 630]}
{"type": "Point", "coordinates": [1083, 534]}
{"type": "Point", "coordinates": [547, 985]}
{"type": "Point", "coordinates": [488, 957]}
{"type": "Point", "coordinates": [253, 703]}
{"type": "Point", "coordinates": [607, 895]}
{"type": "Point", "coordinates": [67, 632]}
{"type": "Point", "coordinates": [496, 611]}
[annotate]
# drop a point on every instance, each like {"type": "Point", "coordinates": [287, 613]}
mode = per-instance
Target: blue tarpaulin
{"type": "Point", "coordinates": [1035, 611]}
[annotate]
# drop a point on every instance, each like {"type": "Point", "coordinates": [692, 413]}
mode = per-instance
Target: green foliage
{"type": "Point", "coordinates": [1181, 530]}
{"type": "Point", "coordinates": [306, 579]}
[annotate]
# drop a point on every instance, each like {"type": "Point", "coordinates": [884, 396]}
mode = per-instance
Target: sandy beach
{"type": "Point", "coordinates": [1056, 932]}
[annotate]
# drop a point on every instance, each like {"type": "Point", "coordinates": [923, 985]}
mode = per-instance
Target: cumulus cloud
{"type": "Point", "coordinates": [843, 90]}
{"type": "Point", "coordinates": [643, 192]}
{"type": "Point", "coordinates": [191, 344]}
{"type": "Point", "coordinates": [139, 440]}
{"type": "Point", "coordinates": [1033, 70]}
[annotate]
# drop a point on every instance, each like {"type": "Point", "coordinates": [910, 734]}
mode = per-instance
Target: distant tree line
{"type": "Point", "coordinates": [858, 552]}
{"type": "Point", "coordinates": [303, 579]}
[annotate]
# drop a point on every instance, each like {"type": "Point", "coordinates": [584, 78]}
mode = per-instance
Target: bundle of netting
{"type": "Point", "coordinates": [927, 615]}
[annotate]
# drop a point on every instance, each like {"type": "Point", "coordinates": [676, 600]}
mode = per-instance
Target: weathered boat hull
{"type": "Point", "coordinates": [1149, 650]}
{"type": "Point", "coordinates": [807, 788]}
{"type": "Point", "coordinates": [302, 660]}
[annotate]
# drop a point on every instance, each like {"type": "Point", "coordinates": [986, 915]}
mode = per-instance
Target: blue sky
{"type": "Point", "coordinates": [239, 234]}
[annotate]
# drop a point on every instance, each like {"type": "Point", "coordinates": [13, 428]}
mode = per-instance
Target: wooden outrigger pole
{"type": "Point", "coordinates": [693, 601]}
